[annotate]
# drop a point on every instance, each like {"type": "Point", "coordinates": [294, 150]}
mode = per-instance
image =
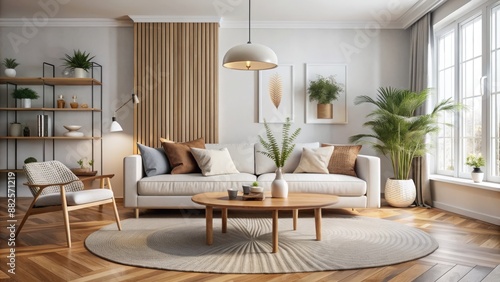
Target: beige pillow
{"type": "Point", "coordinates": [179, 155]}
{"type": "Point", "coordinates": [315, 160]}
{"type": "Point", "coordinates": [343, 160]}
{"type": "Point", "coordinates": [214, 162]}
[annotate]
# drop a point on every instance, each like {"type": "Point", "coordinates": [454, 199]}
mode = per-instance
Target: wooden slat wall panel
{"type": "Point", "coordinates": [176, 79]}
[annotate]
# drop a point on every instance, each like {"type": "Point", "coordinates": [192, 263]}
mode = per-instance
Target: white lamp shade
{"type": "Point", "coordinates": [115, 126]}
{"type": "Point", "coordinates": [250, 57]}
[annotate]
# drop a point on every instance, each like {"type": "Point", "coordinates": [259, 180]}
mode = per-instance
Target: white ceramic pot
{"type": "Point", "coordinates": [15, 130]}
{"type": "Point", "coordinates": [10, 72]}
{"type": "Point", "coordinates": [279, 187]}
{"type": "Point", "coordinates": [80, 73]}
{"type": "Point", "coordinates": [477, 175]}
{"type": "Point", "coordinates": [400, 193]}
{"type": "Point", "coordinates": [25, 103]}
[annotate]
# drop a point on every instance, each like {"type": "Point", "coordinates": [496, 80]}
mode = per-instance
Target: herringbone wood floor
{"type": "Point", "coordinates": [468, 249]}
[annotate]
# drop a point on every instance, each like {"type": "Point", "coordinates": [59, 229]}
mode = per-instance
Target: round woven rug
{"type": "Point", "coordinates": [348, 242]}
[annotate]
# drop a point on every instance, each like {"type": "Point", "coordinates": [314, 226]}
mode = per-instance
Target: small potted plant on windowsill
{"type": "Point", "coordinates": [80, 62]}
{"type": "Point", "coordinates": [10, 65]}
{"type": "Point", "coordinates": [476, 162]}
{"type": "Point", "coordinates": [25, 95]}
{"type": "Point", "coordinates": [324, 90]}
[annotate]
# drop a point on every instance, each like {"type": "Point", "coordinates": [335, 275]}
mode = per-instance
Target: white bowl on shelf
{"type": "Point", "coordinates": [72, 127]}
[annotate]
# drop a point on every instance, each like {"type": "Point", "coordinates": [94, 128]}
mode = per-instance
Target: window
{"type": "Point", "coordinates": [467, 56]}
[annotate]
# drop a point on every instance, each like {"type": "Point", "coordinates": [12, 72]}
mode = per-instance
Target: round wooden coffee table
{"type": "Point", "coordinates": [294, 202]}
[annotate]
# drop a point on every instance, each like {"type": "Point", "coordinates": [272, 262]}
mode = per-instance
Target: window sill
{"type": "Point", "coordinates": [466, 182]}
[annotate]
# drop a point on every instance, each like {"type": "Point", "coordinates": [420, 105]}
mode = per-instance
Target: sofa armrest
{"type": "Point", "coordinates": [368, 169]}
{"type": "Point", "coordinates": [132, 173]}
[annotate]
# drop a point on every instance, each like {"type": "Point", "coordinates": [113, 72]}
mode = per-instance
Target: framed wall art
{"type": "Point", "coordinates": [336, 113]}
{"type": "Point", "coordinates": [276, 94]}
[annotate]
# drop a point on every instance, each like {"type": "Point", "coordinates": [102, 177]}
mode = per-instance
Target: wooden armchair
{"type": "Point", "coordinates": [55, 187]}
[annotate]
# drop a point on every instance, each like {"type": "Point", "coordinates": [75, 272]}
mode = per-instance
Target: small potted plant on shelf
{"type": "Point", "coordinates": [85, 167]}
{"type": "Point", "coordinates": [80, 62]}
{"type": "Point", "coordinates": [324, 90]}
{"type": "Point", "coordinates": [25, 95]}
{"type": "Point", "coordinates": [476, 162]}
{"type": "Point", "coordinates": [30, 160]}
{"type": "Point", "coordinates": [10, 65]}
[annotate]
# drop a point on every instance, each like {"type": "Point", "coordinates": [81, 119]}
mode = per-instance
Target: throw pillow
{"type": "Point", "coordinates": [180, 157]}
{"type": "Point", "coordinates": [214, 162]}
{"type": "Point", "coordinates": [154, 160]}
{"type": "Point", "coordinates": [315, 160]}
{"type": "Point", "coordinates": [343, 160]}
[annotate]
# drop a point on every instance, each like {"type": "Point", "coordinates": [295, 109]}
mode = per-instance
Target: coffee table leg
{"type": "Point", "coordinates": [224, 220]}
{"type": "Point", "coordinates": [295, 217]}
{"type": "Point", "coordinates": [210, 227]}
{"type": "Point", "coordinates": [317, 221]}
{"type": "Point", "coordinates": [275, 231]}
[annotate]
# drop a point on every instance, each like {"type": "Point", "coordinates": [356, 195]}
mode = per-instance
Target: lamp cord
{"type": "Point", "coordinates": [249, 41]}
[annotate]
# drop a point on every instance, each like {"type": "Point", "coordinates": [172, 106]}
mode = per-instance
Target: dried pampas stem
{"type": "Point", "coordinates": [275, 89]}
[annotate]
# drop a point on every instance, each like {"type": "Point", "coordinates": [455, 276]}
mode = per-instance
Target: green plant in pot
{"type": "Point", "coordinates": [80, 62]}
{"type": "Point", "coordinates": [476, 162]}
{"type": "Point", "coordinates": [25, 95]}
{"type": "Point", "coordinates": [10, 65]}
{"type": "Point", "coordinates": [324, 90]}
{"type": "Point", "coordinates": [30, 160]}
{"type": "Point", "coordinates": [400, 134]}
{"type": "Point", "coordinates": [279, 154]}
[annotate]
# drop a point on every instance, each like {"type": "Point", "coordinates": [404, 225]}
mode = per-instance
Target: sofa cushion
{"type": "Point", "coordinates": [191, 184]}
{"type": "Point", "coordinates": [154, 160]}
{"type": "Point", "coordinates": [180, 157]}
{"type": "Point", "coordinates": [314, 160]}
{"type": "Point", "coordinates": [264, 164]}
{"type": "Point", "coordinates": [242, 155]}
{"type": "Point", "coordinates": [214, 162]}
{"type": "Point", "coordinates": [343, 160]}
{"type": "Point", "coordinates": [336, 184]}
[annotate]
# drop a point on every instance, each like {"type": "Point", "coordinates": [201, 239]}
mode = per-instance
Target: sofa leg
{"type": "Point", "coordinates": [136, 213]}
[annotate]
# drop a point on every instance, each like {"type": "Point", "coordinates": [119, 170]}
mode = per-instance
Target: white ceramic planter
{"type": "Point", "coordinates": [80, 73]}
{"type": "Point", "coordinates": [279, 187]}
{"type": "Point", "coordinates": [400, 193]}
{"type": "Point", "coordinates": [477, 175]}
{"type": "Point", "coordinates": [10, 72]}
{"type": "Point", "coordinates": [25, 103]}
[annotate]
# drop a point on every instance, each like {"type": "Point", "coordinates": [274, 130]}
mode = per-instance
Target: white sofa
{"type": "Point", "coordinates": [174, 191]}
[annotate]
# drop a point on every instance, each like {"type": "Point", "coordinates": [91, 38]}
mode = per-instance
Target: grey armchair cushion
{"type": "Point", "coordinates": [75, 198]}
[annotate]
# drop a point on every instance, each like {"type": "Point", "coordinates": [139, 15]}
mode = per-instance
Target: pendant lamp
{"type": "Point", "coordinates": [250, 56]}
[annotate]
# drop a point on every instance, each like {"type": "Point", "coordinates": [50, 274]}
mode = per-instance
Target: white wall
{"type": "Point", "coordinates": [378, 58]}
{"type": "Point", "coordinates": [113, 49]}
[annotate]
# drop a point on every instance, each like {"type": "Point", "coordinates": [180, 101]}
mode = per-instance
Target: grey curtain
{"type": "Point", "coordinates": [421, 40]}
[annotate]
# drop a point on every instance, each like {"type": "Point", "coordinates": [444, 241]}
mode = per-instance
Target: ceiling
{"type": "Point", "coordinates": [396, 13]}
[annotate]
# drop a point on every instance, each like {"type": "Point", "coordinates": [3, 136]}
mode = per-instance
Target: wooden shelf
{"type": "Point", "coordinates": [49, 138]}
{"type": "Point", "coordinates": [49, 81]}
{"type": "Point", "coordinates": [51, 109]}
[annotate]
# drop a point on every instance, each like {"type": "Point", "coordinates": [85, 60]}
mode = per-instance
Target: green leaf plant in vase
{"type": "Point", "coordinates": [400, 134]}
{"type": "Point", "coordinates": [279, 154]}
{"type": "Point", "coordinates": [25, 95]}
{"type": "Point", "coordinates": [85, 166]}
{"type": "Point", "coordinates": [80, 62]}
{"type": "Point", "coordinates": [256, 188]}
{"type": "Point", "coordinates": [324, 90]}
{"type": "Point", "coordinates": [476, 162]}
{"type": "Point", "coordinates": [10, 65]}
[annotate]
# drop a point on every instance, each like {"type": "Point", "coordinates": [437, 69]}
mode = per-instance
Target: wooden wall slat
{"type": "Point", "coordinates": [176, 78]}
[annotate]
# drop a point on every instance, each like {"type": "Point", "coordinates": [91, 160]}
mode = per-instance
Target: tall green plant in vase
{"type": "Point", "coordinates": [401, 135]}
{"type": "Point", "coordinates": [279, 154]}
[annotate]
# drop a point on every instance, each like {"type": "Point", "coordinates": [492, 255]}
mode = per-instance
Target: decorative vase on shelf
{"type": "Point", "coordinates": [10, 72]}
{"type": "Point", "coordinates": [60, 102]}
{"type": "Point", "coordinates": [477, 175]}
{"type": "Point", "coordinates": [25, 103]}
{"type": "Point", "coordinates": [80, 73]}
{"type": "Point", "coordinates": [16, 129]}
{"type": "Point", "coordinates": [74, 104]}
{"type": "Point", "coordinates": [279, 186]}
{"type": "Point", "coordinates": [400, 193]}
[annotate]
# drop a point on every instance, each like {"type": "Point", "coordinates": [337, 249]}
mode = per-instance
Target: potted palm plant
{"type": "Point", "coordinates": [279, 154]}
{"type": "Point", "coordinates": [324, 90]}
{"type": "Point", "coordinates": [80, 62]}
{"type": "Point", "coordinates": [476, 162]}
{"type": "Point", "coordinates": [10, 65]}
{"type": "Point", "coordinates": [25, 95]}
{"type": "Point", "coordinates": [400, 134]}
